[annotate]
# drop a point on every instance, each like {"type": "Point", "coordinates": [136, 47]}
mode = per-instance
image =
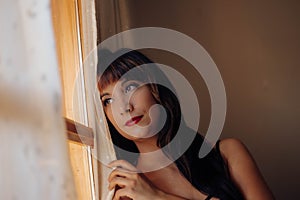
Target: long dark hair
{"type": "Point", "coordinates": [208, 174]}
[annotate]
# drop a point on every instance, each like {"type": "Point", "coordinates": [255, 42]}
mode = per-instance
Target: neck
{"type": "Point", "coordinates": [147, 145]}
{"type": "Point", "coordinates": [151, 156]}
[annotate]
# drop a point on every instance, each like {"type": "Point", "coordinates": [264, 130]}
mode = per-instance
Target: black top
{"type": "Point", "coordinates": [209, 197]}
{"type": "Point", "coordinates": [210, 174]}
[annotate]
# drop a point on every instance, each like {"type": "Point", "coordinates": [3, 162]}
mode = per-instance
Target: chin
{"type": "Point", "coordinates": [143, 132]}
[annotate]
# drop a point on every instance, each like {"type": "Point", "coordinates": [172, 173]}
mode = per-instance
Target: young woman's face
{"type": "Point", "coordinates": [132, 109]}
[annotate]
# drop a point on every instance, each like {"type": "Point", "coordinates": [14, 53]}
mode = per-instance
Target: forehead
{"type": "Point", "coordinates": [110, 87]}
{"type": "Point", "coordinates": [115, 85]}
{"type": "Point", "coordinates": [119, 85]}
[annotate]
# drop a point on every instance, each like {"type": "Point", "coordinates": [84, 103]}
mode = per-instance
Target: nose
{"type": "Point", "coordinates": [126, 108]}
{"type": "Point", "coordinates": [123, 103]}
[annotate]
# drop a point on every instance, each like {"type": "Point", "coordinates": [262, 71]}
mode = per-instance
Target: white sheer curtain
{"type": "Point", "coordinates": [34, 162]}
{"type": "Point", "coordinates": [103, 151]}
{"type": "Point", "coordinates": [112, 18]}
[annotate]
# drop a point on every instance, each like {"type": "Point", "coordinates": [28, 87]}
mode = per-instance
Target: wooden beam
{"type": "Point", "coordinates": [79, 133]}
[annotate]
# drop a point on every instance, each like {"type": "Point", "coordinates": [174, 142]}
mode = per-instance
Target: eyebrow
{"type": "Point", "coordinates": [105, 94]}
{"type": "Point", "coordinates": [123, 81]}
{"type": "Point", "coordinates": [122, 84]}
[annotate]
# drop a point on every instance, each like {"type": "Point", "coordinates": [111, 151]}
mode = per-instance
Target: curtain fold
{"type": "Point", "coordinates": [103, 152]}
{"type": "Point", "coordinates": [112, 17]}
{"type": "Point", "coordinates": [33, 150]}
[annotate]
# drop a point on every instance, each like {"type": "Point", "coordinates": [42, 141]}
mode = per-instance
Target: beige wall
{"type": "Point", "coordinates": [255, 44]}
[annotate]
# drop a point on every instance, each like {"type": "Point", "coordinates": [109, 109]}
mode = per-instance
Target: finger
{"type": "Point", "coordinates": [117, 181]}
{"type": "Point", "coordinates": [122, 182]}
{"type": "Point", "coordinates": [121, 173]}
{"type": "Point", "coordinates": [122, 164]}
{"type": "Point", "coordinates": [123, 192]}
{"type": "Point", "coordinates": [118, 173]}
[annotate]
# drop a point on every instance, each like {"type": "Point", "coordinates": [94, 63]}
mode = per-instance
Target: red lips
{"type": "Point", "coordinates": [134, 120]}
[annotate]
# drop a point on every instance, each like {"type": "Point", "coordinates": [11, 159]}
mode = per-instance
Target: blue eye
{"type": "Point", "coordinates": [107, 101]}
{"type": "Point", "coordinates": [130, 87]}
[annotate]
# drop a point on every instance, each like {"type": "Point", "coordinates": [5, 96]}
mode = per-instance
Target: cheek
{"type": "Point", "coordinates": [112, 118]}
{"type": "Point", "coordinates": [143, 97]}
{"type": "Point", "coordinates": [109, 115]}
{"type": "Point", "coordinates": [149, 101]}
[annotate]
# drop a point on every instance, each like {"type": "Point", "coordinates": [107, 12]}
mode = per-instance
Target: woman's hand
{"type": "Point", "coordinates": [130, 183]}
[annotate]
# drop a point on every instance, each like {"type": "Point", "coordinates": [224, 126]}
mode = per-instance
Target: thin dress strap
{"type": "Point", "coordinates": [209, 197]}
{"type": "Point", "coordinates": [219, 152]}
{"type": "Point", "coordinates": [224, 161]}
{"type": "Point", "coordinates": [218, 147]}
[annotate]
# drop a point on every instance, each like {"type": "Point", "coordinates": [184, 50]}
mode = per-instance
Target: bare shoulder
{"type": "Point", "coordinates": [230, 144]}
{"type": "Point", "coordinates": [243, 170]}
{"type": "Point", "coordinates": [236, 155]}
{"type": "Point", "coordinates": [232, 148]}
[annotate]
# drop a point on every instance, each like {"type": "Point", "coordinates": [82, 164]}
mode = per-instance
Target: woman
{"type": "Point", "coordinates": [132, 104]}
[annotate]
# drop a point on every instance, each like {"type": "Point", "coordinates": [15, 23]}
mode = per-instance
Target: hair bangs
{"type": "Point", "coordinates": [119, 68]}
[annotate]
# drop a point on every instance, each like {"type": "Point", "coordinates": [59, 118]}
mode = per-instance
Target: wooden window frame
{"type": "Point", "coordinates": [70, 43]}
{"type": "Point", "coordinates": [79, 133]}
